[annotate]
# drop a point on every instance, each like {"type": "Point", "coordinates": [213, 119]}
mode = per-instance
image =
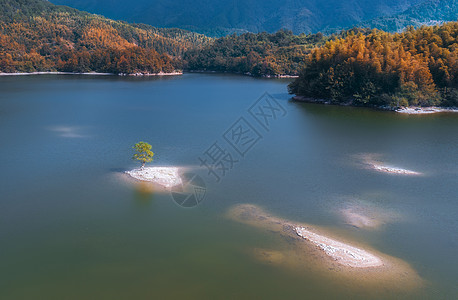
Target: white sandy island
{"type": "Point", "coordinates": [393, 170]}
{"type": "Point", "coordinates": [371, 162]}
{"type": "Point", "coordinates": [425, 110]}
{"type": "Point", "coordinates": [165, 176]}
{"type": "Point", "coordinates": [343, 253]}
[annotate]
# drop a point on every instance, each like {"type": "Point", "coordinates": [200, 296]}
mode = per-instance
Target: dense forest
{"type": "Point", "coordinates": [359, 66]}
{"type": "Point", "coordinates": [36, 35]}
{"type": "Point", "coordinates": [430, 12]}
{"type": "Point", "coordinates": [216, 17]}
{"type": "Point", "coordinates": [261, 54]}
{"type": "Point", "coordinates": [416, 67]}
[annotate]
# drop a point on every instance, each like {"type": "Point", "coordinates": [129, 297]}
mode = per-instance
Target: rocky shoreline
{"type": "Point", "coordinates": [92, 73]}
{"type": "Point", "coordinates": [426, 110]}
{"type": "Point", "coordinates": [403, 110]}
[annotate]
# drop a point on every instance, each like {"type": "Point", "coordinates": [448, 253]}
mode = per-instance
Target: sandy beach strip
{"type": "Point", "coordinates": [55, 73]}
{"type": "Point", "coordinates": [92, 73]}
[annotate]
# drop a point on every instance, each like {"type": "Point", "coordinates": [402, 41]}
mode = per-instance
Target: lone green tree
{"type": "Point", "coordinates": [143, 153]}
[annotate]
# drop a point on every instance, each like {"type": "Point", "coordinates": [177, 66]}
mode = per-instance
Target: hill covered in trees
{"type": "Point", "coordinates": [36, 35]}
{"type": "Point", "coordinates": [360, 66]}
{"type": "Point", "coordinates": [261, 54]}
{"type": "Point", "coordinates": [218, 17]}
{"type": "Point", "coordinates": [416, 67]}
{"type": "Point", "coordinates": [431, 12]}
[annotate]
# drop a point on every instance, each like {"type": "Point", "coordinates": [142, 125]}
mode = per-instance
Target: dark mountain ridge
{"type": "Point", "coordinates": [225, 16]}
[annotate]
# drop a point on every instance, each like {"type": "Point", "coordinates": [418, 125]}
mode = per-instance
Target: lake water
{"type": "Point", "coordinates": [73, 226]}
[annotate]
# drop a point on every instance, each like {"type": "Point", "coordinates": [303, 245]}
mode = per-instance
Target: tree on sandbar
{"type": "Point", "coordinates": [143, 153]}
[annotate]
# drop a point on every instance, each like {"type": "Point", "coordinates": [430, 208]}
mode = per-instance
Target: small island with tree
{"type": "Point", "coordinates": [164, 176]}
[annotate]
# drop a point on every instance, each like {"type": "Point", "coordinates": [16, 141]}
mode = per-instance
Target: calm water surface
{"type": "Point", "coordinates": [72, 226]}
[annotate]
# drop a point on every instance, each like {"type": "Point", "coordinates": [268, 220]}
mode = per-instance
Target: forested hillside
{"type": "Point", "coordinates": [416, 67]}
{"type": "Point", "coordinates": [261, 54]}
{"type": "Point", "coordinates": [359, 66]}
{"type": "Point", "coordinates": [36, 35]}
{"type": "Point", "coordinates": [431, 12]}
{"type": "Point", "coordinates": [224, 16]}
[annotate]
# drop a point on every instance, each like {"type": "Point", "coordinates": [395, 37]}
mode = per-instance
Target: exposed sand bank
{"type": "Point", "coordinates": [165, 176]}
{"type": "Point", "coordinates": [425, 110]}
{"type": "Point", "coordinates": [371, 162]}
{"type": "Point", "coordinates": [342, 253]}
{"type": "Point", "coordinates": [311, 248]}
{"type": "Point", "coordinates": [392, 170]}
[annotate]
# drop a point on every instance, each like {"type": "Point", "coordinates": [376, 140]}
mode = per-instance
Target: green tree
{"type": "Point", "coordinates": [143, 153]}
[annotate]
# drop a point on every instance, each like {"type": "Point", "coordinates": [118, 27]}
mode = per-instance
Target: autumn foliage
{"type": "Point", "coordinates": [36, 35]}
{"type": "Point", "coordinates": [416, 67]}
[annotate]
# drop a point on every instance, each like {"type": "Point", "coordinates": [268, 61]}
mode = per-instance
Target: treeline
{"type": "Point", "coordinates": [36, 35]}
{"type": "Point", "coordinates": [260, 54]}
{"type": "Point", "coordinates": [416, 67]}
{"type": "Point", "coordinates": [360, 66]}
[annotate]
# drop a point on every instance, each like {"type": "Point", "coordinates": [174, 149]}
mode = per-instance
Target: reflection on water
{"type": "Point", "coordinates": [144, 191]}
{"type": "Point", "coordinates": [68, 131]}
{"type": "Point", "coordinates": [77, 227]}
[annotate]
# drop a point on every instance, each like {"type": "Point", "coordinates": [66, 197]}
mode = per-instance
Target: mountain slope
{"type": "Point", "coordinates": [244, 15]}
{"type": "Point", "coordinates": [427, 13]}
{"type": "Point", "coordinates": [36, 35]}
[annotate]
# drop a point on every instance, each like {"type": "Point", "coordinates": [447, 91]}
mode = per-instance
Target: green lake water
{"type": "Point", "coordinates": [73, 226]}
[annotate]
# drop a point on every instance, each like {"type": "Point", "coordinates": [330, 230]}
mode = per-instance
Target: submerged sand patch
{"type": "Point", "coordinates": [313, 249]}
{"type": "Point", "coordinates": [165, 176]}
{"type": "Point", "coordinates": [269, 256]}
{"type": "Point", "coordinates": [358, 219]}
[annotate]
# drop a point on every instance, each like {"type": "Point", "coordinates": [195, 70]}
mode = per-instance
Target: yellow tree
{"type": "Point", "coordinates": [143, 153]}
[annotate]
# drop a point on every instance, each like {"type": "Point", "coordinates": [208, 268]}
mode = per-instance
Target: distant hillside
{"type": "Point", "coordinates": [430, 12]}
{"type": "Point", "coordinates": [225, 16]}
{"type": "Point", "coordinates": [36, 35]}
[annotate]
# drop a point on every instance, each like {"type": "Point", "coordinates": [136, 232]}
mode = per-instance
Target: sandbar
{"type": "Point", "coordinates": [372, 163]}
{"type": "Point", "coordinates": [312, 248]}
{"type": "Point", "coordinates": [165, 176]}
